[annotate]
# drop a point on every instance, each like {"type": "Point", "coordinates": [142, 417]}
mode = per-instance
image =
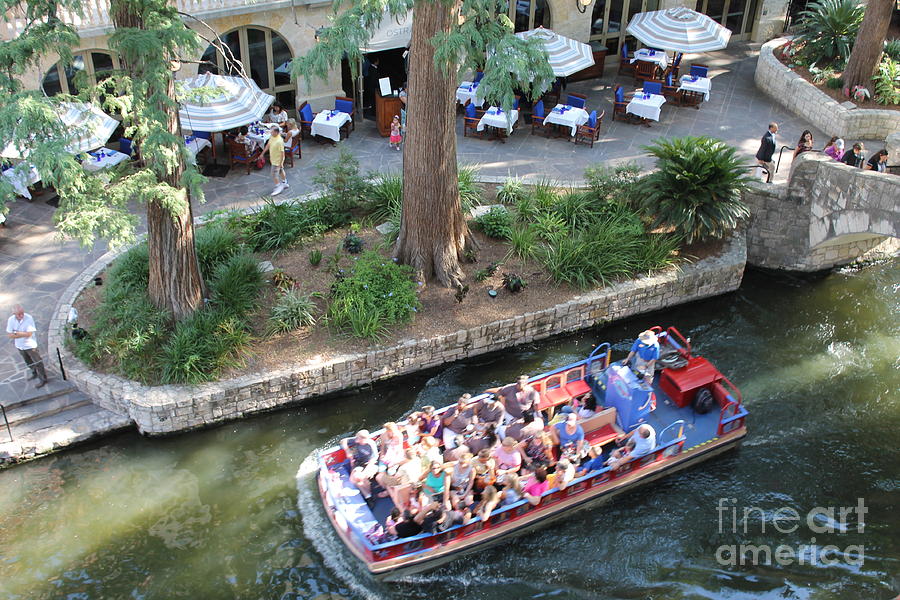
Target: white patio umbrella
{"type": "Point", "coordinates": [89, 127]}
{"type": "Point", "coordinates": [219, 103]}
{"type": "Point", "coordinates": [567, 56]}
{"type": "Point", "coordinates": [678, 29]}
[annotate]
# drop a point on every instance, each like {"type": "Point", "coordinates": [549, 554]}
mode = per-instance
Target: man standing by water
{"type": "Point", "coordinates": [767, 150]}
{"type": "Point", "coordinates": [21, 330]}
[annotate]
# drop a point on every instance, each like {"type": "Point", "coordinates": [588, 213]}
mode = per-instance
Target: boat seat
{"type": "Point", "coordinates": [576, 388]}
{"type": "Point", "coordinates": [601, 428]}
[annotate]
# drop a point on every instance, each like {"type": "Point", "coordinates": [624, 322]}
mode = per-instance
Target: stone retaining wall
{"type": "Point", "coordinates": [826, 114]}
{"type": "Point", "coordinates": [169, 409]}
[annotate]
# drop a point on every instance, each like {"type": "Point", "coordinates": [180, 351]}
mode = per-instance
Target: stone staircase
{"type": "Point", "coordinates": [45, 420]}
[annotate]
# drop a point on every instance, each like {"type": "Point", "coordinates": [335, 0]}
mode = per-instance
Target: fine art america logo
{"type": "Point", "coordinates": [786, 520]}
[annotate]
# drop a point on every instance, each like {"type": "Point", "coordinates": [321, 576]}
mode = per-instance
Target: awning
{"type": "Point", "coordinates": [391, 33]}
{"type": "Point", "coordinates": [678, 29]}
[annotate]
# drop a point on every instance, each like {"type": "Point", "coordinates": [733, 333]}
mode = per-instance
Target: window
{"type": "Point", "coordinates": [529, 14]}
{"type": "Point", "coordinates": [609, 19]}
{"type": "Point", "coordinates": [95, 64]}
{"type": "Point", "coordinates": [264, 55]}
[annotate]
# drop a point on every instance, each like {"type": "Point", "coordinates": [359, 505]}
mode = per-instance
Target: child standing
{"type": "Point", "coordinates": [396, 138]}
{"type": "Point", "coordinates": [275, 148]}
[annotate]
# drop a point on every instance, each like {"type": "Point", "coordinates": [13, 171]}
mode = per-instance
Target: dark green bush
{"type": "Point", "coordinates": [892, 49]}
{"type": "Point", "coordinates": [613, 183]}
{"type": "Point", "coordinates": [341, 182]}
{"type": "Point", "coordinates": [835, 83]}
{"type": "Point", "coordinates": [292, 311]}
{"type": "Point", "coordinates": [203, 345]}
{"type": "Point", "coordinates": [495, 223]}
{"type": "Point", "coordinates": [131, 270]}
{"type": "Point", "coordinates": [827, 30]}
{"type": "Point", "coordinates": [215, 244]}
{"type": "Point", "coordinates": [235, 285]}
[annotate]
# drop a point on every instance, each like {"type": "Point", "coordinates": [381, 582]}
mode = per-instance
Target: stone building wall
{"type": "Point", "coordinates": [826, 114]}
{"type": "Point", "coordinates": [170, 409]}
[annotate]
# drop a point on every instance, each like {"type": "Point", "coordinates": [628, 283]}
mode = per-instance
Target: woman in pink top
{"type": "Point", "coordinates": [835, 149]}
{"type": "Point", "coordinates": [536, 486]}
{"type": "Point", "coordinates": [508, 458]}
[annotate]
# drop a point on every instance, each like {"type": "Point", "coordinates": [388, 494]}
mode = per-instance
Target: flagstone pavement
{"type": "Point", "coordinates": [36, 267]}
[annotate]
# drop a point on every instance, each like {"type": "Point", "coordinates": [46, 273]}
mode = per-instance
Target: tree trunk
{"type": "Point", "coordinates": [433, 230]}
{"type": "Point", "coordinates": [869, 43]}
{"type": "Point", "coordinates": [175, 283]}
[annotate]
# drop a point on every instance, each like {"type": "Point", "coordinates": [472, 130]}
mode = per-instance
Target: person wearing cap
{"type": "Point", "coordinates": [363, 455]}
{"type": "Point", "coordinates": [457, 419]}
{"type": "Point", "coordinates": [645, 352]}
{"type": "Point", "coordinates": [518, 397]}
{"type": "Point", "coordinates": [569, 436]}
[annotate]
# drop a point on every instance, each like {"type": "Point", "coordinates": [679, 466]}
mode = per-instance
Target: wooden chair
{"type": "Point", "coordinates": [290, 151]}
{"type": "Point", "coordinates": [344, 104]}
{"type": "Point", "coordinates": [669, 89]}
{"type": "Point", "coordinates": [239, 155]}
{"type": "Point", "coordinates": [675, 66]}
{"type": "Point", "coordinates": [590, 131]}
{"type": "Point", "coordinates": [643, 71]}
{"type": "Point", "coordinates": [620, 104]}
{"type": "Point", "coordinates": [537, 118]}
{"type": "Point", "coordinates": [653, 86]}
{"type": "Point", "coordinates": [470, 121]}
{"type": "Point", "coordinates": [626, 67]}
{"type": "Point", "coordinates": [305, 118]}
{"type": "Point", "coordinates": [576, 100]}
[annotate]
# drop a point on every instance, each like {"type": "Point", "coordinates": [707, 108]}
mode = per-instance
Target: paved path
{"type": "Point", "coordinates": [35, 267]}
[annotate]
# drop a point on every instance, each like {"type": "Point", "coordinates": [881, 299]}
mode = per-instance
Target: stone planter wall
{"type": "Point", "coordinates": [170, 409]}
{"type": "Point", "coordinates": [802, 98]}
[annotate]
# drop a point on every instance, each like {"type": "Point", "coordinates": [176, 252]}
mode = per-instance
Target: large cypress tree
{"type": "Point", "coordinates": [869, 42]}
{"type": "Point", "coordinates": [449, 36]}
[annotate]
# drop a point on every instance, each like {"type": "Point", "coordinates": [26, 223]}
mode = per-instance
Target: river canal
{"type": "Point", "coordinates": [214, 514]}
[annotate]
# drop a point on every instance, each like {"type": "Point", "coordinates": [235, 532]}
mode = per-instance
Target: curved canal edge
{"type": "Point", "coordinates": [171, 409]}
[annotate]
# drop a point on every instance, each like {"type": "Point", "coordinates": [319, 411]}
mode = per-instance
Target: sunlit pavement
{"type": "Point", "coordinates": [35, 267]}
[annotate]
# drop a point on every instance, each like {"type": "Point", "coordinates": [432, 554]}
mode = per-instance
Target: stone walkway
{"type": "Point", "coordinates": [35, 267]}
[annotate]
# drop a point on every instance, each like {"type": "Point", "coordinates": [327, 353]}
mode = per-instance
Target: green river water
{"type": "Point", "coordinates": [215, 514]}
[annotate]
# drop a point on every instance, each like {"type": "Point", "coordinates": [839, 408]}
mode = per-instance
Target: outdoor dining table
{"type": "Point", "coordinates": [196, 145]}
{"type": "Point", "coordinates": [499, 119]}
{"type": "Point", "coordinates": [328, 124]}
{"type": "Point", "coordinates": [468, 91]}
{"type": "Point", "coordinates": [21, 181]}
{"type": "Point", "coordinates": [655, 56]}
{"type": "Point", "coordinates": [695, 85]}
{"type": "Point", "coordinates": [646, 106]}
{"type": "Point", "coordinates": [102, 159]}
{"type": "Point", "coordinates": [568, 116]}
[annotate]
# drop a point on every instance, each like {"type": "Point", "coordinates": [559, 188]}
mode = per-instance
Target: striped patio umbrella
{"type": "Point", "coordinates": [567, 56]}
{"type": "Point", "coordinates": [678, 29]}
{"type": "Point", "coordinates": [219, 103]}
{"type": "Point", "coordinates": [88, 126]}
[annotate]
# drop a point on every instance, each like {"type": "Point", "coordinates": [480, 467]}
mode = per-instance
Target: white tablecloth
{"type": "Point", "coordinates": [659, 58]}
{"type": "Point", "coordinates": [110, 158]}
{"type": "Point", "coordinates": [21, 181]}
{"type": "Point", "coordinates": [196, 145]}
{"type": "Point", "coordinates": [573, 117]}
{"type": "Point", "coordinates": [464, 94]}
{"type": "Point", "coordinates": [329, 127]}
{"type": "Point", "coordinates": [648, 109]}
{"type": "Point", "coordinates": [494, 117]}
{"type": "Point", "coordinates": [700, 86]}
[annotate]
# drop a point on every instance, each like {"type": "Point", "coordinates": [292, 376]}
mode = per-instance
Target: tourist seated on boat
{"type": "Point", "coordinates": [525, 428]}
{"type": "Point", "coordinates": [508, 458]}
{"type": "Point", "coordinates": [518, 397]}
{"type": "Point", "coordinates": [535, 486]}
{"type": "Point", "coordinates": [563, 475]}
{"type": "Point", "coordinates": [512, 490]}
{"type": "Point", "coordinates": [410, 524]}
{"type": "Point", "coordinates": [440, 517]}
{"type": "Point", "coordinates": [363, 455]}
{"type": "Point", "coordinates": [429, 451]}
{"type": "Point", "coordinates": [437, 483]}
{"type": "Point", "coordinates": [412, 428]}
{"type": "Point", "coordinates": [397, 480]}
{"type": "Point", "coordinates": [569, 438]}
{"type": "Point", "coordinates": [637, 443]}
{"type": "Point", "coordinates": [485, 473]}
{"type": "Point", "coordinates": [391, 443]}
{"type": "Point", "coordinates": [428, 422]}
{"type": "Point", "coordinates": [595, 463]}
{"type": "Point", "coordinates": [539, 451]}
{"type": "Point", "coordinates": [462, 447]}
{"type": "Point", "coordinates": [490, 411]}
{"type": "Point", "coordinates": [462, 478]}
{"type": "Point", "coordinates": [645, 352]}
{"type": "Point", "coordinates": [456, 419]}
{"type": "Point", "coordinates": [490, 498]}
{"type": "Point", "coordinates": [482, 439]}
{"type": "Point", "coordinates": [588, 409]}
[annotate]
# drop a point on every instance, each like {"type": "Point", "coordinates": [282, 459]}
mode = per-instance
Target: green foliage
{"type": "Point", "coordinates": [202, 346]}
{"type": "Point", "coordinates": [130, 271]}
{"type": "Point", "coordinates": [315, 257]}
{"type": "Point", "coordinates": [513, 283]}
{"type": "Point", "coordinates": [892, 49]}
{"type": "Point", "coordinates": [353, 243]}
{"type": "Point", "coordinates": [835, 83]}
{"type": "Point", "coordinates": [292, 311]}
{"type": "Point", "coordinates": [828, 29]}
{"type": "Point", "coordinates": [470, 192]}
{"type": "Point", "coordinates": [696, 189]}
{"type": "Point", "coordinates": [215, 244]}
{"type": "Point", "coordinates": [612, 183]}
{"type": "Point", "coordinates": [277, 227]}
{"type": "Point", "coordinates": [483, 274]}
{"type": "Point", "coordinates": [235, 285]}
{"type": "Point", "coordinates": [385, 197]}
{"type": "Point", "coordinates": [523, 242]}
{"type": "Point", "coordinates": [374, 295]}
{"type": "Point", "coordinates": [341, 182]}
{"type": "Point", "coordinates": [511, 191]}
{"type": "Point", "coordinates": [821, 75]}
{"type": "Point", "coordinates": [887, 81]}
{"type": "Point", "coordinates": [496, 223]}
{"type": "Point", "coordinates": [550, 225]}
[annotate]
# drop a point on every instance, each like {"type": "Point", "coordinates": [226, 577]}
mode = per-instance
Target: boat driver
{"type": "Point", "coordinates": [363, 454]}
{"type": "Point", "coordinates": [645, 352]}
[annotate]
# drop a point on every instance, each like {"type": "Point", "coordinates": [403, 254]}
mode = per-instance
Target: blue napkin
{"type": "Point", "coordinates": [188, 139]}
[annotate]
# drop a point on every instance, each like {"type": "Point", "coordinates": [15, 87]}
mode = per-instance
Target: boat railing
{"type": "Point", "coordinates": [680, 341]}
{"type": "Point", "coordinates": [731, 417]}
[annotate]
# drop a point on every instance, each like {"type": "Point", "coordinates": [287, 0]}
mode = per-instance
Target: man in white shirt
{"type": "Point", "coordinates": [21, 330]}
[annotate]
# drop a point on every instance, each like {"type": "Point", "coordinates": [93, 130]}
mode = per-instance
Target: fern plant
{"type": "Point", "coordinates": [828, 29]}
{"type": "Point", "coordinates": [697, 188]}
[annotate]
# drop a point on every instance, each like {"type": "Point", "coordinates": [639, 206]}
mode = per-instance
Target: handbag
{"type": "Point", "coordinates": [260, 162]}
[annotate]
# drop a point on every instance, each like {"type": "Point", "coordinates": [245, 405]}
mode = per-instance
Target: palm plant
{"type": "Point", "coordinates": [828, 29]}
{"type": "Point", "coordinates": [697, 188]}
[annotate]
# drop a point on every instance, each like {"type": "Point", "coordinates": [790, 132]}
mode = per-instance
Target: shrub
{"type": "Point", "coordinates": [385, 197]}
{"type": "Point", "coordinates": [523, 242]}
{"type": "Point", "coordinates": [273, 227]}
{"type": "Point", "coordinates": [496, 223]}
{"type": "Point", "coordinates": [315, 257]}
{"type": "Point", "coordinates": [131, 271]}
{"type": "Point", "coordinates": [828, 29]}
{"type": "Point", "coordinates": [202, 346]}
{"type": "Point", "coordinates": [511, 190]}
{"type": "Point", "coordinates": [470, 193]}
{"type": "Point", "coordinates": [235, 285]}
{"type": "Point", "coordinates": [612, 183]}
{"type": "Point", "coordinates": [513, 283]}
{"type": "Point", "coordinates": [341, 182]}
{"type": "Point", "coordinates": [353, 243]}
{"type": "Point", "coordinates": [696, 189]}
{"type": "Point", "coordinates": [292, 311]}
{"type": "Point", "coordinates": [892, 49]}
{"type": "Point", "coordinates": [215, 244]}
{"type": "Point", "coordinates": [835, 83]}
{"type": "Point", "coordinates": [887, 82]}
{"type": "Point", "coordinates": [488, 271]}
{"type": "Point", "coordinates": [549, 225]}
{"type": "Point", "coordinates": [375, 294]}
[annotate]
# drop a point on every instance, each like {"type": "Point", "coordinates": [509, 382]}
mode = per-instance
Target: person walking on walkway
{"type": "Point", "coordinates": [21, 329]}
{"type": "Point", "coordinates": [766, 150]}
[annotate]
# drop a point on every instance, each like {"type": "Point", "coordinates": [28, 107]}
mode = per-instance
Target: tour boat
{"type": "Point", "coordinates": [688, 389]}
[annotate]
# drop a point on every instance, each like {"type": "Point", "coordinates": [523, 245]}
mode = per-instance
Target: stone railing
{"type": "Point", "coordinates": [175, 408]}
{"type": "Point", "coordinates": [826, 114]}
